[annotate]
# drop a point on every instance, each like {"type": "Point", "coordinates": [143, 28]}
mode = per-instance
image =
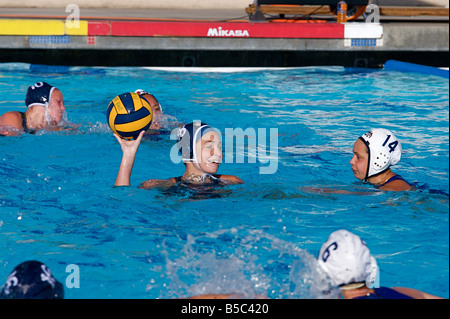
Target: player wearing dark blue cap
{"type": "Point", "coordinates": [45, 109]}
{"type": "Point", "coordinates": [200, 146]}
{"type": "Point", "coordinates": [31, 280]}
{"type": "Point", "coordinates": [156, 109]}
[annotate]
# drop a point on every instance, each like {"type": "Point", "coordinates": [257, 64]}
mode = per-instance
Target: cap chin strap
{"type": "Point", "coordinates": [194, 160]}
{"type": "Point", "coordinates": [368, 159]}
{"type": "Point", "coordinates": [47, 104]}
{"type": "Point", "coordinates": [205, 175]}
{"type": "Point", "coordinates": [373, 279]}
{"type": "Point", "coordinates": [47, 114]}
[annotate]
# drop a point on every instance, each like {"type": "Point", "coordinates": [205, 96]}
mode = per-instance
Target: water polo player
{"type": "Point", "coordinates": [156, 108]}
{"type": "Point", "coordinates": [45, 110]}
{"type": "Point", "coordinates": [31, 280]}
{"type": "Point", "coordinates": [373, 155]}
{"type": "Point", "coordinates": [201, 148]}
{"type": "Point", "coordinates": [347, 261]}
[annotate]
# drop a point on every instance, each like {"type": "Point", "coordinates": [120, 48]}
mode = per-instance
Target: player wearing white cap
{"type": "Point", "coordinates": [373, 155]}
{"type": "Point", "coordinates": [347, 261]}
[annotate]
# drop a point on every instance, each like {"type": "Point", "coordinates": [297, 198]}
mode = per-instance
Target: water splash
{"type": "Point", "coordinates": [250, 263]}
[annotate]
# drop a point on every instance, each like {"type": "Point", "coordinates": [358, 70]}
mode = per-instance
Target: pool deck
{"type": "Point", "coordinates": [215, 38]}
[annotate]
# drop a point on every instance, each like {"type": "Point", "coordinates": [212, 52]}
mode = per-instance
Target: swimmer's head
{"type": "Point", "coordinates": [31, 280]}
{"type": "Point", "coordinates": [201, 144]}
{"type": "Point", "coordinates": [156, 108]}
{"type": "Point", "coordinates": [382, 150]}
{"type": "Point", "coordinates": [49, 97]}
{"type": "Point", "coordinates": [346, 259]}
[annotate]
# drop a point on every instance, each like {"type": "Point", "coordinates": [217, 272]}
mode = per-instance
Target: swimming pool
{"type": "Point", "coordinates": [58, 204]}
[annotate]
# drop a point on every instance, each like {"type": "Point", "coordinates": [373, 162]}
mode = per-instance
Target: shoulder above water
{"type": "Point", "coordinates": [11, 123]}
{"type": "Point", "coordinates": [396, 183]}
{"type": "Point", "coordinates": [230, 179]}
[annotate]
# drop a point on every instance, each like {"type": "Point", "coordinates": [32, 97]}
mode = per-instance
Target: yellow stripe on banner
{"type": "Point", "coordinates": [42, 27]}
{"type": "Point", "coordinates": [73, 28]}
{"type": "Point", "coordinates": [31, 27]}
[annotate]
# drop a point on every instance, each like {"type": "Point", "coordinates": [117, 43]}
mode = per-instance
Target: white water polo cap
{"type": "Point", "coordinates": [346, 259]}
{"type": "Point", "coordinates": [384, 150]}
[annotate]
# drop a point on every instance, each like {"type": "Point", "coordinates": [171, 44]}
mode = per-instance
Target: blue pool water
{"type": "Point", "coordinates": [58, 204]}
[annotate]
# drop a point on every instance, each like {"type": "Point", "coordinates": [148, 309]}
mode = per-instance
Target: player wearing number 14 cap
{"type": "Point", "coordinates": [373, 155]}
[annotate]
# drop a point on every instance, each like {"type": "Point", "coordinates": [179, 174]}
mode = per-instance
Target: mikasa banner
{"type": "Point", "coordinates": [224, 29]}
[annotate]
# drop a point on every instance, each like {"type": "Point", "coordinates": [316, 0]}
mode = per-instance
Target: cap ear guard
{"type": "Point", "coordinates": [184, 144]}
{"type": "Point", "coordinates": [373, 279]}
{"type": "Point", "coordinates": [39, 94]}
{"type": "Point", "coordinates": [384, 150]}
{"type": "Point", "coordinates": [187, 137]}
{"type": "Point", "coordinates": [143, 92]}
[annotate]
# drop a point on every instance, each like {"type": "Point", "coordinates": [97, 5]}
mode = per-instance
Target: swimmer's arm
{"type": "Point", "coordinates": [129, 149]}
{"type": "Point", "coordinates": [231, 179]}
{"type": "Point", "coordinates": [416, 294]}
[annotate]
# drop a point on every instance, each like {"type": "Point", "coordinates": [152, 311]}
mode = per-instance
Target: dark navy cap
{"type": "Point", "coordinates": [32, 280]}
{"type": "Point", "coordinates": [187, 136]}
{"type": "Point", "coordinates": [39, 93]}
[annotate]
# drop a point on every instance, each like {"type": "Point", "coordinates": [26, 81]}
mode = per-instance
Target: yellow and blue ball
{"type": "Point", "coordinates": [128, 114]}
